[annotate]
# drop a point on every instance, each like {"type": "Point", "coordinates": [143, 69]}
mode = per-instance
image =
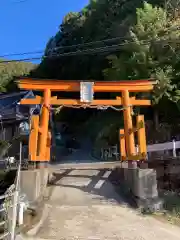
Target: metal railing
{"type": "Point", "coordinates": [8, 213]}
{"type": "Point", "coordinates": [110, 152]}
{"type": "Point", "coordinates": [10, 205]}
{"type": "Point", "coordinates": [162, 148]}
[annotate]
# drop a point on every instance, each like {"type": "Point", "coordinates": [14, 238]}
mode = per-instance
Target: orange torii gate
{"type": "Point", "coordinates": [40, 137]}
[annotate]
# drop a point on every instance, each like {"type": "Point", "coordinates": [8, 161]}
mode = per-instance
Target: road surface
{"type": "Point", "coordinates": [83, 204]}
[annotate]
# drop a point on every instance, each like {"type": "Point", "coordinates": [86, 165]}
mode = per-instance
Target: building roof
{"type": "Point", "coordinates": [10, 107]}
{"type": "Point", "coordinates": [12, 98]}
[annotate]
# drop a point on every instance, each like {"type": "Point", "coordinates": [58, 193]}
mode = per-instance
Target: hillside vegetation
{"type": "Point", "coordinates": [9, 71]}
{"type": "Point", "coordinates": [119, 40]}
{"type": "Point", "coordinates": [116, 40]}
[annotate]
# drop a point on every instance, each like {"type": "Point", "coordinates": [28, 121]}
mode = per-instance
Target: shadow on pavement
{"type": "Point", "coordinates": [108, 188]}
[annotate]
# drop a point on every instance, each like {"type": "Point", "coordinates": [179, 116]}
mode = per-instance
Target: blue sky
{"type": "Point", "coordinates": [27, 25]}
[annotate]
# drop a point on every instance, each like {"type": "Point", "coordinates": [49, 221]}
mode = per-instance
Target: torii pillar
{"type": "Point", "coordinates": [128, 125]}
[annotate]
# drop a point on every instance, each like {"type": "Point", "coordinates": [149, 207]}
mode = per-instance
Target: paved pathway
{"type": "Point", "coordinates": [84, 205]}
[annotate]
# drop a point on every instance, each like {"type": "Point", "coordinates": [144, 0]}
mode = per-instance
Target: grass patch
{"type": "Point", "coordinates": [171, 211]}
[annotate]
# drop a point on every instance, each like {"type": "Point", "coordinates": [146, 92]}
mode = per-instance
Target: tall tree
{"type": "Point", "coordinates": [100, 19]}
{"type": "Point", "coordinates": [151, 51]}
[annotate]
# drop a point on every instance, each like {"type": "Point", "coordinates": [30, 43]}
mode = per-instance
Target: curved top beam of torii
{"type": "Point", "coordinates": [74, 86]}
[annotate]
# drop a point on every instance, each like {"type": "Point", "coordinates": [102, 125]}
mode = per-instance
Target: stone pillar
{"type": "Point", "coordinates": [142, 184]}
{"type": "Point", "coordinates": [145, 190]}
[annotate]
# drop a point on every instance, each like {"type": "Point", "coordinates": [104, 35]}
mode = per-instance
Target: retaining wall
{"type": "Point", "coordinates": [33, 183]}
{"type": "Point", "coordinates": [142, 184]}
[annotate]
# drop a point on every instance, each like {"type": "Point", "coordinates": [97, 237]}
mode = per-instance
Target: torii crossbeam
{"type": "Point", "coordinates": [39, 142]}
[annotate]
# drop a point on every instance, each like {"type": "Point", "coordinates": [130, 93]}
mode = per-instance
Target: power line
{"type": "Point", "coordinates": [81, 52]}
{"type": "Point", "coordinates": [74, 53]}
{"type": "Point", "coordinates": [65, 47]}
{"type": "Point", "coordinates": [73, 46]}
{"type": "Point", "coordinates": [21, 60]}
{"type": "Point", "coordinates": [20, 54]}
{"type": "Point", "coordinates": [89, 43]}
{"type": "Point", "coordinates": [19, 1]}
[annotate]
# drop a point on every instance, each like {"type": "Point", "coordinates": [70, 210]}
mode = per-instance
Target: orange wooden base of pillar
{"type": "Point", "coordinates": [48, 149]}
{"type": "Point", "coordinates": [33, 138]}
{"type": "Point", "coordinates": [34, 142]}
{"type": "Point", "coordinates": [122, 145]}
{"type": "Point", "coordinates": [141, 135]}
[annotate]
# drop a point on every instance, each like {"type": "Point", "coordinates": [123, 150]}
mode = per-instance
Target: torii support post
{"type": "Point", "coordinates": [139, 130]}
{"type": "Point", "coordinates": [128, 126]}
{"type": "Point", "coordinates": [47, 86]}
{"type": "Point", "coordinates": [33, 138]}
{"type": "Point", "coordinates": [44, 122]}
{"type": "Point", "coordinates": [39, 141]}
{"type": "Point", "coordinates": [141, 135]}
{"type": "Point", "coordinates": [122, 145]}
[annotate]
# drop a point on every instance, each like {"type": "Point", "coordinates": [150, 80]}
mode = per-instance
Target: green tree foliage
{"type": "Point", "coordinates": [11, 70]}
{"type": "Point", "coordinates": [100, 19]}
{"type": "Point", "coordinates": [152, 51]}
{"type": "Point", "coordinates": [148, 46]}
